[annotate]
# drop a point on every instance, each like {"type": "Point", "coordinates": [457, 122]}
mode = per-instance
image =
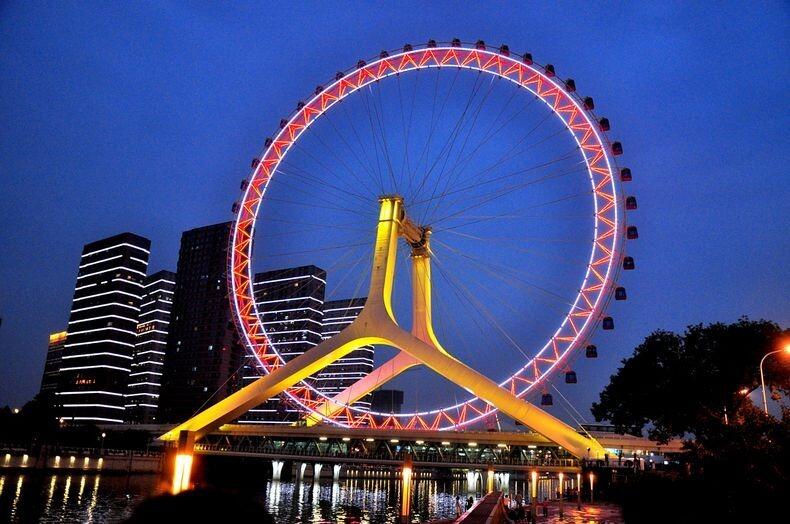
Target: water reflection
{"type": "Point", "coordinates": [95, 497]}
{"type": "Point", "coordinates": [89, 497]}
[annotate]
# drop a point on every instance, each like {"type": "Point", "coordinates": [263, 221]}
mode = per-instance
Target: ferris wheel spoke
{"type": "Point", "coordinates": [510, 153]}
{"type": "Point", "coordinates": [373, 168]}
{"type": "Point", "coordinates": [378, 117]}
{"type": "Point", "coordinates": [341, 160]}
{"type": "Point", "coordinates": [323, 167]}
{"type": "Point", "coordinates": [447, 147]}
{"type": "Point", "coordinates": [425, 155]}
{"type": "Point", "coordinates": [469, 129]}
{"type": "Point", "coordinates": [331, 193]}
{"type": "Point", "coordinates": [374, 137]}
{"type": "Point", "coordinates": [406, 128]}
{"type": "Point", "coordinates": [517, 172]}
{"type": "Point", "coordinates": [503, 191]}
{"type": "Point", "coordinates": [555, 258]}
{"type": "Point", "coordinates": [500, 272]}
{"type": "Point", "coordinates": [489, 134]}
{"type": "Point", "coordinates": [481, 308]}
{"type": "Point", "coordinates": [317, 250]}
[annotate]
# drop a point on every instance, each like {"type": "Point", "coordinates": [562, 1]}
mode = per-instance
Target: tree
{"type": "Point", "coordinates": [676, 385]}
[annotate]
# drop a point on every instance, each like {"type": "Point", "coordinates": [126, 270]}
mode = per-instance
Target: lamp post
{"type": "Point", "coordinates": [101, 451]}
{"type": "Point", "coordinates": [786, 349]}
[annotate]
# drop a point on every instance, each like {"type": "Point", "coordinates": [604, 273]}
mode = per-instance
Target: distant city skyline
{"type": "Point", "coordinates": [100, 137]}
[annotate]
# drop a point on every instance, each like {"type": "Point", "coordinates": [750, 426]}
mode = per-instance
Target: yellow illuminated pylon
{"type": "Point", "coordinates": [376, 324]}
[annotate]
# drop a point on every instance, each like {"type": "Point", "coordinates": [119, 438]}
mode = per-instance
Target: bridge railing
{"type": "Point", "coordinates": [451, 456]}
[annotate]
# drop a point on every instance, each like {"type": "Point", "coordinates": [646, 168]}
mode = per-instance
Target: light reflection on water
{"type": "Point", "coordinates": [92, 497]}
{"type": "Point", "coordinates": [72, 497]}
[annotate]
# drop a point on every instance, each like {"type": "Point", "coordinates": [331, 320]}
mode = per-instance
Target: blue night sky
{"type": "Point", "coordinates": [143, 117]}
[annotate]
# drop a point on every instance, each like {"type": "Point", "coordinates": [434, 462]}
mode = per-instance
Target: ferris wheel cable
{"type": "Point", "coordinates": [364, 150]}
{"type": "Point", "coordinates": [299, 147]}
{"type": "Point", "coordinates": [482, 308]}
{"type": "Point", "coordinates": [431, 131]}
{"type": "Point", "coordinates": [382, 134]}
{"type": "Point", "coordinates": [332, 191]}
{"type": "Point", "coordinates": [318, 250]}
{"type": "Point", "coordinates": [348, 227]}
{"type": "Point", "coordinates": [473, 314]}
{"type": "Point", "coordinates": [488, 198]}
{"type": "Point", "coordinates": [521, 185]}
{"type": "Point", "coordinates": [517, 172]}
{"type": "Point", "coordinates": [354, 153]}
{"type": "Point", "coordinates": [502, 160]}
{"type": "Point", "coordinates": [469, 129]}
{"type": "Point", "coordinates": [406, 127]}
{"type": "Point", "coordinates": [542, 204]}
{"type": "Point", "coordinates": [348, 168]}
{"type": "Point", "coordinates": [457, 166]}
{"type": "Point", "coordinates": [357, 261]}
{"type": "Point", "coordinates": [570, 404]}
{"type": "Point", "coordinates": [487, 265]}
{"type": "Point", "coordinates": [327, 195]}
{"type": "Point", "coordinates": [377, 156]}
{"type": "Point", "coordinates": [310, 205]}
{"type": "Point", "coordinates": [513, 152]}
{"type": "Point", "coordinates": [445, 151]}
{"type": "Point", "coordinates": [500, 178]}
{"type": "Point", "coordinates": [553, 257]}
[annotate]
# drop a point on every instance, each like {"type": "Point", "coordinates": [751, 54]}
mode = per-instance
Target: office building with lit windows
{"type": "Point", "coordinates": [296, 317]}
{"type": "Point", "coordinates": [203, 360]}
{"type": "Point", "coordinates": [102, 331]}
{"type": "Point", "coordinates": [290, 304]}
{"type": "Point", "coordinates": [145, 378]}
{"type": "Point", "coordinates": [51, 374]}
{"type": "Point", "coordinates": [342, 373]}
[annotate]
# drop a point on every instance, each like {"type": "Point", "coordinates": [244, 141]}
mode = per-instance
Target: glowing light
{"type": "Point", "coordinates": [394, 440]}
{"type": "Point", "coordinates": [419, 442]}
{"type": "Point", "coordinates": [346, 439]}
{"type": "Point", "coordinates": [473, 444]}
{"type": "Point", "coordinates": [369, 439]}
{"type": "Point", "coordinates": [322, 439]}
{"type": "Point", "coordinates": [585, 131]}
{"type": "Point", "coordinates": [181, 473]}
{"type": "Point", "coordinates": [445, 443]}
{"type": "Point", "coordinates": [501, 445]}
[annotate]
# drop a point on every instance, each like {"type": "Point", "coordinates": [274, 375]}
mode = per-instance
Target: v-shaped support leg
{"type": "Point", "coordinates": [376, 324]}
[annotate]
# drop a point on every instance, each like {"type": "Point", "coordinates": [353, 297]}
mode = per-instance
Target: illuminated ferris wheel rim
{"type": "Point", "coordinates": [598, 280]}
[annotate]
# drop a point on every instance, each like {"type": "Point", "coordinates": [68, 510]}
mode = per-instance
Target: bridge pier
{"type": "Point", "coordinates": [490, 479]}
{"type": "Point", "coordinates": [406, 485]}
{"type": "Point", "coordinates": [317, 471]}
{"type": "Point", "coordinates": [277, 469]}
{"type": "Point", "coordinates": [182, 470]}
{"type": "Point", "coordinates": [302, 468]}
{"type": "Point", "coordinates": [336, 472]}
{"type": "Point", "coordinates": [533, 494]}
{"type": "Point", "coordinates": [562, 494]}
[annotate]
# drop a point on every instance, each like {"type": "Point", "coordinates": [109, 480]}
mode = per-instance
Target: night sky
{"type": "Point", "coordinates": [144, 117]}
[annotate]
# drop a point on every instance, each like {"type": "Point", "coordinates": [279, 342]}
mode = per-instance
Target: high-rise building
{"type": "Point", "coordinates": [102, 331]}
{"type": "Point", "coordinates": [342, 373]}
{"type": "Point", "coordinates": [51, 375]}
{"type": "Point", "coordinates": [387, 401]}
{"type": "Point", "coordinates": [203, 358]}
{"type": "Point", "coordinates": [291, 306]}
{"type": "Point", "coordinates": [145, 379]}
{"type": "Point", "coordinates": [290, 303]}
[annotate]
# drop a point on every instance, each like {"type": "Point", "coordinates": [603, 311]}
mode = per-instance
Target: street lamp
{"type": "Point", "coordinates": [786, 349]}
{"type": "Point", "coordinates": [101, 451]}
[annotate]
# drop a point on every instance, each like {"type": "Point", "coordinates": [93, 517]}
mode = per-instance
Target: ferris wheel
{"type": "Point", "coordinates": [499, 164]}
